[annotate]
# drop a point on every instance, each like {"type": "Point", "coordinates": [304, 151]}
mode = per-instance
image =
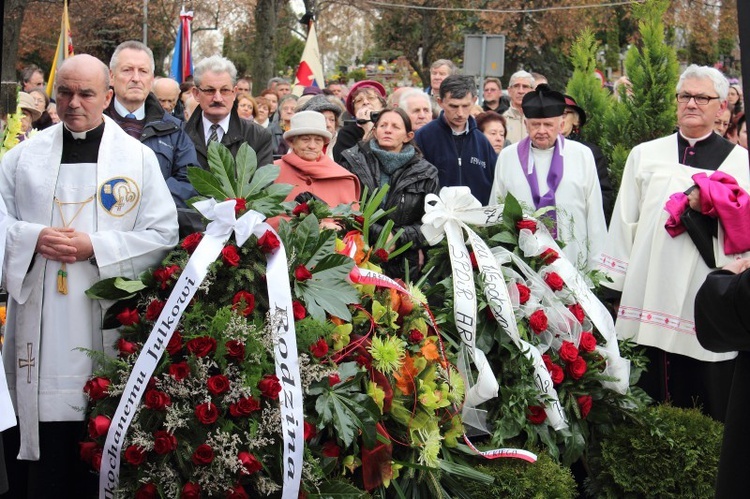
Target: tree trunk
{"type": "Point", "coordinates": [12, 21]}
{"type": "Point", "coordinates": [266, 22]}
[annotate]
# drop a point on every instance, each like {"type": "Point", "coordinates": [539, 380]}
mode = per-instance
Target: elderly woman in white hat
{"type": "Point", "coordinates": [308, 169]}
{"type": "Point", "coordinates": [29, 111]}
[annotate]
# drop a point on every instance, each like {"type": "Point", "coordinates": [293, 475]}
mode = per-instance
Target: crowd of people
{"type": "Point", "coordinates": [126, 130]}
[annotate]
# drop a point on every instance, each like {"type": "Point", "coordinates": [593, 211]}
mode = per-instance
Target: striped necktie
{"type": "Point", "coordinates": [213, 136]}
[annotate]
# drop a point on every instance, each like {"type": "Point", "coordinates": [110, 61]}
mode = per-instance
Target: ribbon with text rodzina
{"type": "Point", "coordinates": [215, 237]}
{"type": "Point", "coordinates": [447, 216]}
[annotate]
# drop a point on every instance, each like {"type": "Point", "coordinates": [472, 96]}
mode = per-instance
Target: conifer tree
{"type": "Point", "coordinates": [586, 88]}
{"type": "Point", "coordinates": [650, 112]}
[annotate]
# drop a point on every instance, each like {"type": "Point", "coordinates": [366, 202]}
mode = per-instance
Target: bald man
{"type": "Point", "coordinates": [167, 91]}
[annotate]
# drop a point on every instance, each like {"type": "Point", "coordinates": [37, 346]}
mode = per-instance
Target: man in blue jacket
{"type": "Point", "coordinates": [139, 113]}
{"type": "Point", "coordinates": [454, 144]}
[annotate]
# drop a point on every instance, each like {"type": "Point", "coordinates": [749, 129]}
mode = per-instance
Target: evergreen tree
{"type": "Point", "coordinates": [586, 88]}
{"type": "Point", "coordinates": [650, 112]}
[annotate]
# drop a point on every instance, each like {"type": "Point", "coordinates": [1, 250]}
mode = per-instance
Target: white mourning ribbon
{"type": "Point", "coordinates": [446, 216]}
{"type": "Point", "coordinates": [7, 413]}
{"type": "Point", "coordinates": [215, 237]}
{"type": "Point", "coordinates": [616, 366]}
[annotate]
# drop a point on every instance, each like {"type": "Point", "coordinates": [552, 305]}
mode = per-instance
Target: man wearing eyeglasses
{"type": "Point", "coordinates": [215, 78]}
{"type": "Point", "coordinates": [521, 83]}
{"type": "Point", "coordinates": [667, 234]}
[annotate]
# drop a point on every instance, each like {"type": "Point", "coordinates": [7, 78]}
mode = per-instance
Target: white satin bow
{"type": "Point", "coordinates": [224, 221]}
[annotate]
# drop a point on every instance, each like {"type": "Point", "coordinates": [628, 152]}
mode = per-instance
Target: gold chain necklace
{"type": "Point", "coordinates": [62, 274]}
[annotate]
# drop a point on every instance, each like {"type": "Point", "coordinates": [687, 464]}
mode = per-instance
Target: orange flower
{"type": "Point", "coordinates": [355, 237]}
{"type": "Point", "coordinates": [2, 315]}
{"type": "Point", "coordinates": [430, 350]}
{"type": "Point", "coordinates": [395, 299]}
{"type": "Point", "coordinates": [405, 376]}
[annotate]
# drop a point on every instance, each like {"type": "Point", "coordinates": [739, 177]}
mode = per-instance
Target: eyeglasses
{"type": "Point", "coordinates": [701, 100]}
{"type": "Point", "coordinates": [225, 92]}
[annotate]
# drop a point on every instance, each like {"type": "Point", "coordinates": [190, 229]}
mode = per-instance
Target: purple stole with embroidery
{"type": "Point", "coordinates": [554, 177]}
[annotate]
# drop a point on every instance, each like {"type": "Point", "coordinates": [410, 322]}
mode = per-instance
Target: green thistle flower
{"type": "Point", "coordinates": [430, 440]}
{"type": "Point", "coordinates": [387, 353]}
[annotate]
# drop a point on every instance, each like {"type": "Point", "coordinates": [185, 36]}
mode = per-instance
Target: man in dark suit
{"type": "Point", "coordinates": [215, 91]}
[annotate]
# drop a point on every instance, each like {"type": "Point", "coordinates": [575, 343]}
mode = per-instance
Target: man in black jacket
{"type": "Point", "coordinates": [215, 91]}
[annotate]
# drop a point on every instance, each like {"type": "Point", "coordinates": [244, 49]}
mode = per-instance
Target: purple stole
{"type": "Point", "coordinates": [554, 177]}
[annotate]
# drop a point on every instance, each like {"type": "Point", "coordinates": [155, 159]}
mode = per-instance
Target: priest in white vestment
{"type": "Point", "coordinates": [85, 202]}
{"type": "Point", "coordinates": [547, 170]}
{"type": "Point", "coordinates": [658, 275]}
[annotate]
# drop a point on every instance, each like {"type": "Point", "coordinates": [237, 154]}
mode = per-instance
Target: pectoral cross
{"type": "Point", "coordinates": [28, 363]}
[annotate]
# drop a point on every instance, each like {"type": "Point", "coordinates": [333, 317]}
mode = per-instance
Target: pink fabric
{"type": "Point", "coordinates": [721, 198]}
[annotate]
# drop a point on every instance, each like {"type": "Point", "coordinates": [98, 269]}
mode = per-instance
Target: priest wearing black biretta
{"type": "Point", "coordinates": [546, 171]}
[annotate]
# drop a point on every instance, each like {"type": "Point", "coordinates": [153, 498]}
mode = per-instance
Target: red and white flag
{"type": "Point", "coordinates": [310, 70]}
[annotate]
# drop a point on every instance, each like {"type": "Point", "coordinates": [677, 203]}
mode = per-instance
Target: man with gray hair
{"type": "Point", "coordinates": [215, 91]}
{"type": "Point", "coordinates": [439, 71]}
{"type": "Point", "coordinates": [670, 227]}
{"type": "Point", "coordinates": [521, 83]}
{"type": "Point", "coordinates": [418, 106]}
{"type": "Point", "coordinates": [454, 144]}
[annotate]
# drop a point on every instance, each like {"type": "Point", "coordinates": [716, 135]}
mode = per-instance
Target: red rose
{"type": "Point", "coordinates": [554, 281]}
{"type": "Point", "coordinates": [135, 455]}
{"type": "Point", "coordinates": [237, 492]}
{"type": "Point", "coordinates": [415, 336]}
{"type": "Point", "coordinates": [164, 275]}
{"type": "Point", "coordinates": [230, 256]}
{"type": "Point", "coordinates": [381, 254]}
{"type": "Point", "coordinates": [568, 352]}
{"type": "Point", "coordinates": [190, 490]}
{"type": "Point", "coordinates": [577, 368]}
{"type": "Point", "coordinates": [235, 350]}
{"type": "Point", "coordinates": [128, 317]}
{"type": "Point", "coordinates": [218, 384]}
{"type": "Point", "coordinates": [334, 379]}
{"type": "Point", "coordinates": [556, 373]}
{"type": "Point", "coordinates": [320, 348]}
{"type": "Point", "coordinates": [268, 242]}
{"type": "Point", "coordinates": [524, 293]}
{"type": "Point", "coordinates": [250, 463]}
{"type": "Point", "coordinates": [330, 449]}
{"type": "Point", "coordinates": [245, 297]}
{"type": "Point", "coordinates": [96, 459]}
{"type": "Point", "coordinates": [244, 407]}
{"type": "Point", "coordinates": [207, 413]}
{"type": "Point", "coordinates": [154, 309]}
{"type": "Point", "coordinates": [547, 361]}
{"type": "Point", "coordinates": [239, 205]}
{"type": "Point", "coordinates": [359, 219]}
{"type": "Point", "coordinates": [191, 242]}
{"type": "Point", "coordinates": [301, 273]}
{"type": "Point", "coordinates": [269, 386]}
{"type": "Point", "coordinates": [584, 404]}
{"type": "Point", "coordinates": [536, 414]}
{"type": "Point", "coordinates": [548, 256]}
{"type": "Point", "coordinates": [526, 224]}
{"type": "Point", "coordinates": [179, 370]}
{"type": "Point", "coordinates": [588, 342]}
{"type": "Point", "coordinates": [298, 310]}
{"type": "Point", "coordinates": [164, 442]}
{"type": "Point", "coordinates": [175, 344]}
{"type": "Point", "coordinates": [147, 491]}
{"type": "Point", "coordinates": [538, 321]}
{"type": "Point", "coordinates": [473, 260]}
{"type": "Point", "coordinates": [98, 426]}
{"type": "Point", "coordinates": [310, 431]}
{"type": "Point", "coordinates": [126, 347]}
{"type": "Point", "coordinates": [96, 388]}
{"type": "Point", "coordinates": [300, 209]}
{"type": "Point", "coordinates": [577, 310]}
{"type": "Point", "coordinates": [201, 346]}
{"type": "Point", "coordinates": [87, 450]}
{"type": "Point", "coordinates": [156, 400]}
{"type": "Point", "coordinates": [203, 455]}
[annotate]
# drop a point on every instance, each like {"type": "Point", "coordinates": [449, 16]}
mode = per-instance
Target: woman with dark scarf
{"type": "Point", "coordinates": [390, 157]}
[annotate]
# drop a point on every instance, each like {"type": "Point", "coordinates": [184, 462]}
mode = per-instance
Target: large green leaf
{"type": "Point", "coordinates": [512, 211]}
{"type": "Point", "coordinates": [221, 164]}
{"type": "Point", "coordinates": [264, 176]}
{"type": "Point", "coordinates": [325, 245]}
{"type": "Point", "coordinates": [205, 183]}
{"type": "Point", "coordinates": [350, 412]}
{"type": "Point", "coordinates": [328, 290]}
{"type": "Point", "coordinates": [115, 288]}
{"type": "Point", "coordinates": [269, 201]}
{"type": "Point", "coordinates": [337, 489]}
{"type": "Point", "coordinates": [246, 163]}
